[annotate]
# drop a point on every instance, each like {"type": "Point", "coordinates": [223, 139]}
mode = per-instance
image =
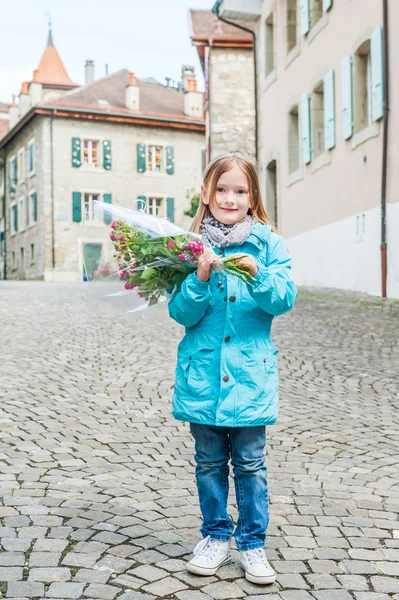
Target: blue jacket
{"type": "Point", "coordinates": [226, 373]}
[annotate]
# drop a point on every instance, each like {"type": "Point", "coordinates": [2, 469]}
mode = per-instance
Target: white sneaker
{"type": "Point", "coordinates": [256, 566]}
{"type": "Point", "coordinates": [209, 555]}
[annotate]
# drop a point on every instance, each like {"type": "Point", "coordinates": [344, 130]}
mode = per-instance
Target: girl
{"type": "Point", "coordinates": [226, 376]}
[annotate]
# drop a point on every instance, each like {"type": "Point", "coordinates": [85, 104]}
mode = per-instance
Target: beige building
{"type": "Point", "coordinates": [321, 136]}
{"type": "Point", "coordinates": [120, 140]}
{"type": "Point", "coordinates": [226, 55]}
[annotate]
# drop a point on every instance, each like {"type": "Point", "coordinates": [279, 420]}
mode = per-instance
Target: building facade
{"type": "Point", "coordinates": [226, 56]}
{"type": "Point", "coordinates": [321, 137]}
{"type": "Point", "coordinates": [137, 144]}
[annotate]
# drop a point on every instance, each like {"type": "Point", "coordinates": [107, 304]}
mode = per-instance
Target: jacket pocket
{"type": "Point", "coordinates": [194, 372]}
{"type": "Point", "coordinates": [259, 374]}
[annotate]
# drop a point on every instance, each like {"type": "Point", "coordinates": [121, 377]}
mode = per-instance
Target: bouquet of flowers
{"type": "Point", "coordinates": [154, 256]}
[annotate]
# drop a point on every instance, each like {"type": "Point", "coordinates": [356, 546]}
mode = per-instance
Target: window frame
{"type": "Point", "coordinates": [85, 193]}
{"type": "Point", "coordinates": [32, 254]}
{"type": "Point", "coordinates": [21, 166]}
{"type": "Point", "coordinates": [10, 161]}
{"type": "Point", "coordinates": [270, 72]}
{"type": "Point", "coordinates": [21, 202]}
{"type": "Point", "coordinates": [32, 145]}
{"type": "Point", "coordinates": [161, 145]}
{"type": "Point", "coordinates": [294, 110]}
{"type": "Point", "coordinates": [317, 121]}
{"type": "Point", "coordinates": [161, 197]}
{"type": "Point", "coordinates": [13, 231]}
{"type": "Point", "coordinates": [99, 142]}
{"type": "Point", "coordinates": [288, 9]}
{"type": "Point", "coordinates": [32, 221]}
{"type": "Point", "coordinates": [362, 83]}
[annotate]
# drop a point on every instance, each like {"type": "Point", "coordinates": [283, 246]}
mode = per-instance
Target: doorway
{"type": "Point", "coordinates": [271, 191]}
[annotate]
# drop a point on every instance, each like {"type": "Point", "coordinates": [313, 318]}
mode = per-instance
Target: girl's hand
{"type": "Point", "coordinates": [205, 261]}
{"type": "Point", "coordinates": [247, 260]}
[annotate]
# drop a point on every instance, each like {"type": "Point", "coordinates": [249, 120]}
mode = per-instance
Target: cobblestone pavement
{"type": "Point", "coordinates": [98, 498]}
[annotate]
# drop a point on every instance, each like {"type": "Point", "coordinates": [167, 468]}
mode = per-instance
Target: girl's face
{"type": "Point", "coordinates": [232, 199]}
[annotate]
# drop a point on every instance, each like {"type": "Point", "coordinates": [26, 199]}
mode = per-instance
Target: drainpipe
{"type": "Point", "coordinates": [384, 244]}
{"type": "Point", "coordinates": [52, 191]}
{"type": "Point", "coordinates": [216, 10]}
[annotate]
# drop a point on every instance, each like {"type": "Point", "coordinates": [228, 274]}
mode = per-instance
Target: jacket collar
{"type": "Point", "coordinates": [260, 233]}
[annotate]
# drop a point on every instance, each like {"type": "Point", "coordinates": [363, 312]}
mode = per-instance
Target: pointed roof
{"type": "Point", "coordinates": [51, 71]}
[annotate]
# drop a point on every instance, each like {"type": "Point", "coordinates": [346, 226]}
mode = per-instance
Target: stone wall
{"type": "Point", "coordinates": [232, 100]}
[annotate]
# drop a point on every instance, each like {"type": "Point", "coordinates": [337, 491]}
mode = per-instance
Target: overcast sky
{"type": "Point", "coordinates": [150, 38]}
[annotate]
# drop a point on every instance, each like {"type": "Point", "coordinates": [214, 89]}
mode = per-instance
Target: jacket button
{"type": "Point", "coordinates": [226, 378]}
{"type": "Point", "coordinates": [232, 298]}
{"type": "Point", "coordinates": [225, 299]}
{"type": "Point", "coordinates": [227, 338]}
{"type": "Point", "coordinates": [190, 358]}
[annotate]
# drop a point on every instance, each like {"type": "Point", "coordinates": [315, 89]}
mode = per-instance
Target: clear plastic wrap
{"type": "Point", "coordinates": [143, 256]}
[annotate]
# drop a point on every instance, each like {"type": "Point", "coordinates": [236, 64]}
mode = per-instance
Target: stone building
{"type": "Point", "coordinates": [226, 56]}
{"type": "Point", "coordinates": [323, 136]}
{"type": "Point", "coordinates": [135, 143]}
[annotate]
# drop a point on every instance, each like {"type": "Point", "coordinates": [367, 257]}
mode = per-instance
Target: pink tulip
{"type": "Point", "coordinates": [128, 286]}
{"type": "Point", "coordinates": [112, 237]}
{"type": "Point", "coordinates": [171, 244]}
{"type": "Point", "coordinates": [113, 225]}
{"type": "Point", "coordinates": [182, 256]}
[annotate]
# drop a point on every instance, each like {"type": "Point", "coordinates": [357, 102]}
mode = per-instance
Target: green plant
{"type": "Point", "coordinates": [194, 203]}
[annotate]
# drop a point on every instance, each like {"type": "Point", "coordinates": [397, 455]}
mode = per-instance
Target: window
{"type": "Point", "coordinates": [21, 165]}
{"type": "Point", "coordinates": [22, 258]}
{"type": "Point", "coordinates": [155, 207]}
{"type": "Point", "coordinates": [291, 30]}
{"type": "Point", "coordinates": [269, 45]}
{"type": "Point", "coordinates": [362, 88]}
{"type": "Point", "coordinates": [14, 261]}
{"type": "Point", "coordinates": [316, 11]}
{"type": "Point", "coordinates": [32, 211]}
{"type": "Point", "coordinates": [317, 116]}
{"type": "Point", "coordinates": [14, 218]}
{"type": "Point", "coordinates": [293, 140]}
{"type": "Point", "coordinates": [271, 191]}
{"type": "Point", "coordinates": [31, 157]}
{"type": "Point", "coordinates": [89, 207]}
{"type": "Point", "coordinates": [32, 253]}
{"type": "Point", "coordinates": [21, 214]}
{"type": "Point", "coordinates": [13, 171]}
{"type": "Point", "coordinates": [90, 153]}
{"type": "Point", "coordinates": [155, 159]}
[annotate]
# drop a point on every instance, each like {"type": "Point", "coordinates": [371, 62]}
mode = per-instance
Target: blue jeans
{"type": "Point", "coordinates": [214, 446]}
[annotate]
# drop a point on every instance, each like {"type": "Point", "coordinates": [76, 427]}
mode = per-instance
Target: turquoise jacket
{"type": "Point", "coordinates": [226, 373]}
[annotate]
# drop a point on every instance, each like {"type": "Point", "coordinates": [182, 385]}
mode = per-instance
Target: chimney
{"type": "Point", "coordinates": [89, 72]}
{"type": "Point", "coordinates": [24, 99]}
{"type": "Point", "coordinates": [132, 93]}
{"type": "Point", "coordinates": [35, 89]}
{"type": "Point", "coordinates": [193, 99]}
{"type": "Point", "coordinates": [13, 113]}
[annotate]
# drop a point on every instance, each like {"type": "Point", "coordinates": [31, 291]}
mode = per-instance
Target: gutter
{"type": "Point", "coordinates": [384, 244]}
{"type": "Point", "coordinates": [4, 166]}
{"type": "Point", "coordinates": [52, 191]}
{"type": "Point", "coordinates": [215, 10]}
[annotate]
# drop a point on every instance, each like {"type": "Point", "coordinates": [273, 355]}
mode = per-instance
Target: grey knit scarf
{"type": "Point", "coordinates": [221, 235]}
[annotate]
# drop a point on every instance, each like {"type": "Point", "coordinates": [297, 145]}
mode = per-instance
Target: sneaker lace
{"type": "Point", "coordinates": [257, 556]}
{"type": "Point", "coordinates": [207, 547]}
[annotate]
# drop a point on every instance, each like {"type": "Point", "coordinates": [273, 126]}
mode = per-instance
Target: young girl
{"type": "Point", "coordinates": [226, 377]}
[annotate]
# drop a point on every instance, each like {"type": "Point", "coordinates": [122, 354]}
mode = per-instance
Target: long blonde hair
{"type": "Point", "coordinates": [213, 173]}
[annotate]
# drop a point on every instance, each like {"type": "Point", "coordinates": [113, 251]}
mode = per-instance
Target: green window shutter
{"type": "Point", "coordinates": [141, 202]}
{"type": "Point", "coordinates": [170, 209]}
{"type": "Point", "coordinates": [27, 215]}
{"type": "Point", "coordinates": [306, 133]}
{"type": "Point", "coordinates": [107, 155]}
{"type": "Point", "coordinates": [15, 211]}
{"type": "Point", "coordinates": [347, 97]}
{"type": "Point", "coordinates": [329, 110]}
{"type": "Point", "coordinates": [107, 217]}
{"type": "Point", "coordinates": [141, 162]}
{"type": "Point", "coordinates": [34, 200]}
{"type": "Point", "coordinates": [76, 207]}
{"type": "Point", "coordinates": [304, 16]}
{"type": "Point", "coordinates": [327, 4]}
{"type": "Point", "coordinates": [76, 152]}
{"type": "Point", "coordinates": [377, 89]}
{"type": "Point", "coordinates": [170, 160]}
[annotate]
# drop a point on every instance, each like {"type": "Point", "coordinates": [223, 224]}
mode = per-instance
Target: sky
{"type": "Point", "coordinates": [150, 38]}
